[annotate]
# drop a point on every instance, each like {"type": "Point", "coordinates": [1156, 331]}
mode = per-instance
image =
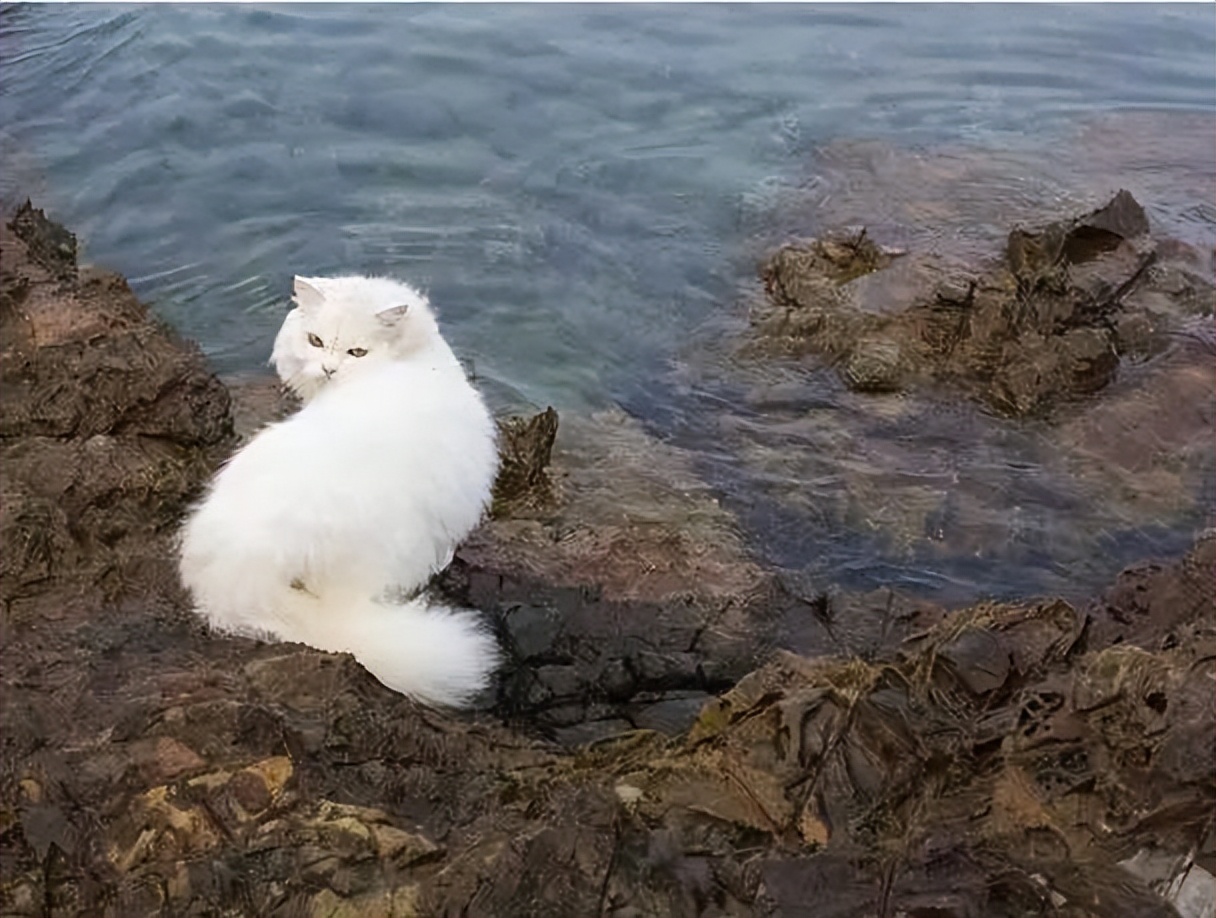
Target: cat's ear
{"type": "Point", "coordinates": [307, 296]}
{"type": "Point", "coordinates": [391, 316]}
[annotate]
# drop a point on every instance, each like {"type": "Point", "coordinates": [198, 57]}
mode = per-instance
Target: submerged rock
{"type": "Point", "coordinates": [874, 365]}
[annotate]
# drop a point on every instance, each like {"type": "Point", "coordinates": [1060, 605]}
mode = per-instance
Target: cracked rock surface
{"type": "Point", "coordinates": [647, 752]}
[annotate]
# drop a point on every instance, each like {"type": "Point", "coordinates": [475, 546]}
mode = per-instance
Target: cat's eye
{"type": "Point", "coordinates": [315, 341]}
{"type": "Point", "coordinates": [358, 352]}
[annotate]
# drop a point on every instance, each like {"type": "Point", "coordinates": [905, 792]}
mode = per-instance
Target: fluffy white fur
{"type": "Point", "coordinates": [312, 530]}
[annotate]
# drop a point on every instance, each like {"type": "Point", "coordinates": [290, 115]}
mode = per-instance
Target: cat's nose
{"type": "Point", "coordinates": [328, 371]}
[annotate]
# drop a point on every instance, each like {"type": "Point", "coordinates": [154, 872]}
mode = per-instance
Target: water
{"type": "Point", "coordinates": [580, 188]}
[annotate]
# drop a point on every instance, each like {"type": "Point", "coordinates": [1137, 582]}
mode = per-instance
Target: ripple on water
{"type": "Point", "coordinates": [585, 189]}
{"type": "Point", "coordinates": [940, 496]}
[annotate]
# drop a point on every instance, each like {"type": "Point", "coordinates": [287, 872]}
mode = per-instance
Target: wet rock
{"type": "Point", "coordinates": [525, 446]}
{"type": "Point", "coordinates": [1136, 336]}
{"type": "Point", "coordinates": [1144, 449]}
{"type": "Point", "coordinates": [1157, 605]}
{"type": "Point", "coordinates": [1000, 760]}
{"type": "Point", "coordinates": [837, 259]}
{"type": "Point", "coordinates": [571, 649]}
{"type": "Point", "coordinates": [1033, 255]}
{"type": "Point", "coordinates": [1045, 325]}
{"type": "Point", "coordinates": [633, 586]}
{"type": "Point", "coordinates": [50, 245]}
{"type": "Point", "coordinates": [1102, 230]}
{"type": "Point", "coordinates": [874, 366]}
{"type": "Point", "coordinates": [1091, 358]}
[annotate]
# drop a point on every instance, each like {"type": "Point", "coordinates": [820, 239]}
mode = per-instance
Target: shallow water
{"type": "Point", "coordinates": [584, 190]}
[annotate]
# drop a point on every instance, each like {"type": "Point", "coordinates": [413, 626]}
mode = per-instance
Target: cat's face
{"type": "Point", "coordinates": [342, 326]}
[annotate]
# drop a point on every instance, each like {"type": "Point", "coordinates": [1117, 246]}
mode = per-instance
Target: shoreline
{"type": "Point", "coordinates": [647, 748]}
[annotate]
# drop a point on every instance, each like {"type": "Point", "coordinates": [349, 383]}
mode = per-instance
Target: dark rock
{"type": "Point", "coordinates": [110, 422]}
{"type": "Point", "coordinates": [50, 245]}
{"type": "Point", "coordinates": [590, 731]}
{"type": "Point", "coordinates": [672, 715]}
{"type": "Point", "coordinates": [567, 644]}
{"type": "Point", "coordinates": [979, 659]}
{"type": "Point", "coordinates": [525, 446]}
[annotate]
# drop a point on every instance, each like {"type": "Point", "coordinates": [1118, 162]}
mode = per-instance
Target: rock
{"type": "Point", "coordinates": [50, 245]}
{"type": "Point", "coordinates": [1022, 336]}
{"type": "Point", "coordinates": [1000, 760]}
{"type": "Point", "coordinates": [258, 400]}
{"type": "Point", "coordinates": [633, 585]}
{"type": "Point", "coordinates": [1136, 336]}
{"type": "Point", "coordinates": [672, 715]}
{"type": "Point", "coordinates": [873, 366]}
{"type": "Point", "coordinates": [956, 292]}
{"type": "Point", "coordinates": [110, 422]}
{"type": "Point", "coordinates": [835, 258]}
{"type": "Point", "coordinates": [1035, 255]}
{"type": "Point", "coordinates": [525, 446]}
{"type": "Point", "coordinates": [979, 659]}
{"type": "Point", "coordinates": [836, 752]}
{"type": "Point", "coordinates": [1091, 358]}
{"type": "Point", "coordinates": [1103, 229]}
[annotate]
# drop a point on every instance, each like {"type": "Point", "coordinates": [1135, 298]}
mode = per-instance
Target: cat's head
{"type": "Point", "coordinates": [342, 326]}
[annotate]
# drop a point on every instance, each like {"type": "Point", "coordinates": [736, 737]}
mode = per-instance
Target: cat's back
{"type": "Point", "coordinates": [407, 401]}
{"type": "Point", "coordinates": [404, 433]}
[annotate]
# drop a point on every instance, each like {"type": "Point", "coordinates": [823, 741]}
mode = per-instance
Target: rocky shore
{"type": "Point", "coordinates": [648, 750]}
{"type": "Point", "coordinates": [1050, 321]}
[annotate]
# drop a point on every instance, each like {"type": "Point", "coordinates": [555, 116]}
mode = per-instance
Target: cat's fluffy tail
{"type": "Point", "coordinates": [430, 652]}
{"type": "Point", "coordinates": [435, 654]}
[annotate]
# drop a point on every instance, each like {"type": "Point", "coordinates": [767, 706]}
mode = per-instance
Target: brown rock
{"type": "Point", "coordinates": [996, 761]}
{"type": "Point", "coordinates": [49, 244]}
{"type": "Point", "coordinates": [874, 365]}
{"type": "Point", "coordinates": [1022, 336]}
{"type": "Point", "coordinates": [525, 446]}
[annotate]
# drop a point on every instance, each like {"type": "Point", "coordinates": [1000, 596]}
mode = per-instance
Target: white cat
{"type": "Point", "coordinates": [314, 529]}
